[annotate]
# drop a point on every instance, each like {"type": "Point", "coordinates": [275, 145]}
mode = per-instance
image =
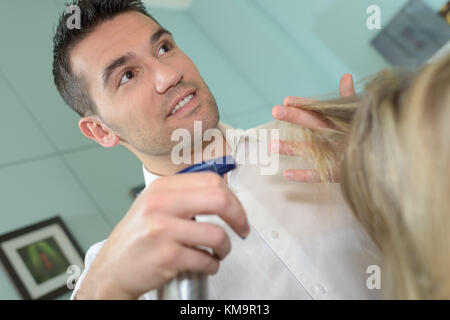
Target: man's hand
{"type": "Point", "coordinates": [156, 239]}
{"type": "Point", "coordinates": [308, 119]}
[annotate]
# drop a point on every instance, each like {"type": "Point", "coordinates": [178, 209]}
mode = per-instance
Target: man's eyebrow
{"type": "Point", "coordinates": [116, 63]}
{"type": "Point", "coordinates": [158, 34]}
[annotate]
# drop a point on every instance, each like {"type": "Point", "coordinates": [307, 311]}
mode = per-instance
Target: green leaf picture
{"type": "Point", "coordinates": [44, 259]}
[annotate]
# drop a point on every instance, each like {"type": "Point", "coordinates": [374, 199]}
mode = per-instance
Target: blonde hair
{"type": "Point", "coordinates": [393, 145]}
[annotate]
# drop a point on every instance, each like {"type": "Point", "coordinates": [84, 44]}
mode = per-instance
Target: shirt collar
{"type": "Point", "coordinates": [148, 176]}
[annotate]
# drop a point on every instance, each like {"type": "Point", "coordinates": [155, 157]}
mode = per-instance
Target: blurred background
{"type": "Point", "coordinates": [251, 53]}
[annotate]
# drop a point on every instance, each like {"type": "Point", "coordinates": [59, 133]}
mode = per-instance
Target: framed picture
{"type": "Point", "coordinates": [37, 257]}
{"type": "Point", "coordinates": [413, 35]}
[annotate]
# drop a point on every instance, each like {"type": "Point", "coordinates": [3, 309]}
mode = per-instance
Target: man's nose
{"type": "Point", "coordinates": [166, 76]}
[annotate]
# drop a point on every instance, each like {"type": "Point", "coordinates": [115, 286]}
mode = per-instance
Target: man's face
{"type": "Point", "coordinates": [135, 73]}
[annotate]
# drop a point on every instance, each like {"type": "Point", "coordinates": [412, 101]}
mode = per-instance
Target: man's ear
{"type": "Point", "coordinates": [94, 129]}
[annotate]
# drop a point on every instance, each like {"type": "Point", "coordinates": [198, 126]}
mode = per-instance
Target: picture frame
{"type": "Point", "coordinates": [36, 258]}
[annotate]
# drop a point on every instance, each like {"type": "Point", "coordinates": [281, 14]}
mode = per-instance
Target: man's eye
{"type": "Point", "coordinates": [165, 47]}
{"type": "Point", "coordinates": [128, 75]}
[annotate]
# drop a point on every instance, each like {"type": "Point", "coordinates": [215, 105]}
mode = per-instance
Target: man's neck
{"type": "Point", "coordinates": [164, 165]}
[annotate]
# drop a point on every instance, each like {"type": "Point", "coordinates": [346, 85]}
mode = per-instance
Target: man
{"type": "Point", "coordinates": [130, 83]}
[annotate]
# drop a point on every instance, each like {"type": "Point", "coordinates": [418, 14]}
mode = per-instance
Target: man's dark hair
{"type": "Point", "coordinates": [93, 12]}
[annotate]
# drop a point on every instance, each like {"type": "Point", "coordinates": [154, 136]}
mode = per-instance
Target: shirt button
{"type": "Point", "coordinates": [274, 234]}
{"type": "Point", "coordinates": [319, 289]}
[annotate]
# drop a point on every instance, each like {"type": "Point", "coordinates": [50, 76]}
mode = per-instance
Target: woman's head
{"type": "Point", "coordinates": [395, 172]}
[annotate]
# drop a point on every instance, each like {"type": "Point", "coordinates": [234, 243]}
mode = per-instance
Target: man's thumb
{"type": "Point", "coordinates": [346, 87]}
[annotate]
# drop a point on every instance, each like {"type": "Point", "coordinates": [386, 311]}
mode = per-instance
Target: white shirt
{"type": "Point", "coordinates": [304, 241]}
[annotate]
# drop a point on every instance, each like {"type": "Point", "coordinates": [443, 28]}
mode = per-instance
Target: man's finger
{"type": "Point", "coordinates": [300, 175]}
{"type": "Point", "coordinates": [192, 179]}
{"type": "Point", "coordinates": [287, 147]}
{"type": "Point", "coordinates": [194, 233]}
{"type": "Point", "coordinates": [305, 175]}
{"type": "Point", "coordinates": [346, 87]}
{"type": "Point", "coordinates": [196, 260]}
{"type": "Point", "coordinates": [305, 118]}
{"type": "Point", "coordinates": [296, 101]}
{"type": "Point", "coordinates": [205, 201]}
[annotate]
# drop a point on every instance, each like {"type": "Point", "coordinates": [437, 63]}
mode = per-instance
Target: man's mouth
{"type": "Point", "coordinates": [184, 102]}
